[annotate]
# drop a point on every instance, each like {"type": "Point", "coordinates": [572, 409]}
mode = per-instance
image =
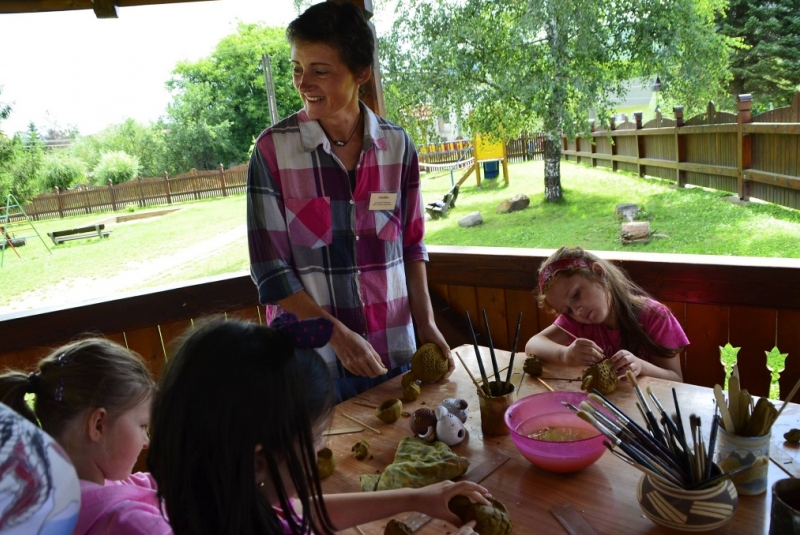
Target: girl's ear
{"type": "Point", "coordinates": [363, 76]}
{"type": "Point", "coordinates": [97, 424]}
{"type": "Point", "coordinates": [597, 268]}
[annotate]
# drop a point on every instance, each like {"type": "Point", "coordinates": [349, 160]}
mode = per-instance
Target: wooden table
{"type": "Point", "coordinates": [604, 494]}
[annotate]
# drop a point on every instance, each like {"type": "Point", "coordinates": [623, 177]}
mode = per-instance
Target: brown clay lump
{"type": "Point", "coordinates": [395, 527]}
{"type": "Point", "coordinates": [490, 520]}
{"type": "Point", "coordinates": [532, 366]}
{"type": "Point", "coordinates": [792, 435]}
{"type": "Point", "coordinates": [601, 377]}
{"type": "Point", "coordinates": [360, 449]}
{"type": "Point", "coordinates": [326, 462]}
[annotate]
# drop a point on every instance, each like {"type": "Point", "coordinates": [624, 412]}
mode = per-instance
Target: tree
{"type": "Point", "coordinates": [220, 102]}
{"type": "Point", "coordinates": [503, 65]}
{"type": "Point", "coordinates": [62, 171]}
{"type": "Point", "coordinates": [118, 167]}
{"type": "Point", "coordinates": [768, 66]}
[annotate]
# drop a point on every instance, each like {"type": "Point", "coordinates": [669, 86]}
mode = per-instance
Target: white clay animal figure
{"type": "Point", "coordinates": [449, 428]}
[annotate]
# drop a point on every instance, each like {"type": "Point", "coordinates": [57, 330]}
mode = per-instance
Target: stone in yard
{"type": "Point", "coordinates": [471, 220]}
{"type": "Point", "coordinates": [627, 211]}
{"type": "Point", "coordinates": [514, 204]}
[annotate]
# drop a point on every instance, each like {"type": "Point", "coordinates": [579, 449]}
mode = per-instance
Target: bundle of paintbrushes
{"type": "Point", "coordinates": [661, 447]}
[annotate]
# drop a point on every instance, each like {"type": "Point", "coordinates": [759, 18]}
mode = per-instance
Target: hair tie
{"type": "Point", "coordinates": [553, 268]}
{"type": "Point", "coordinates": [34, 380]}
{"type": "Point", "coordinates": [310, 333]}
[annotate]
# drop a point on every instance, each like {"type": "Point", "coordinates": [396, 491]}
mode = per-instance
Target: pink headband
{"type": "Point", "coordinates": [553, 268]}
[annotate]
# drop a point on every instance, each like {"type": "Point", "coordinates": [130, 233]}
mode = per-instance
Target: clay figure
{"type": "Point", "coordinates": [360, 450]}
{"type": "Point", "coordinates": [601, 377]}
{"type": "Point", "coordinates": [389, 411]}
{"type": "Point", "coordinates": [395, 527]}
{"type": "Point", "coordinates": [449, 429]}
{"type": "Point", "coordinates": [326, 462]}
{"type": "Point", "coordinates": [532, 366]}
{"type": "Point", "coordinates": [421, 420]}
{"type": "Point", "coordinates": [456, 406]}
{"type": "Point", "coordinates": [493, 520]}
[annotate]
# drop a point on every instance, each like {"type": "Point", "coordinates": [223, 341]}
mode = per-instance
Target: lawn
{"type": "Point", "coordinates": [208, 237]}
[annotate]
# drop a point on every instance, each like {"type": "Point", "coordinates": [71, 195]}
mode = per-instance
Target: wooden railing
{"type": "Point", "coordinates": [749, 155]}
{"type": "Point", "coordinates": [753, 303]}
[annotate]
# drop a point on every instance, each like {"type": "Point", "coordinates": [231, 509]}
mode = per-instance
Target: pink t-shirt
{"type": "Point", "coordinates": [658, 322]}
{"type": "Point", "coordinates": [127, 507]}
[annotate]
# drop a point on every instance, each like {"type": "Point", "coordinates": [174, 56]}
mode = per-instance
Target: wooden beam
{"type": "Point", "coordinates": [99, 6]}
{"type": "Point", "coordinates": [105, 9]}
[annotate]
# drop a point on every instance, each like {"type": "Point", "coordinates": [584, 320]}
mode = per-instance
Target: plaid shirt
{"type": "Point", "coordinates": [308, 231]}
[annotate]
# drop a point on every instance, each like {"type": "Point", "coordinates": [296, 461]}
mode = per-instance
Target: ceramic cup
{"type": "Point", "coordinates": [785, 514]}
{"type": "Point", "coordinates": [493, 408]}
{"type": "Point", "coordinates": [734, 451]}
{"type": "Point", "coordinates": [687, 510]}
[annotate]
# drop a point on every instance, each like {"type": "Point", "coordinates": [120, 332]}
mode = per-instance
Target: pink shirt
{"type": "Point", "coordinates": [122, 507]}
{"type": "Point", "coordinates": [658, 322]}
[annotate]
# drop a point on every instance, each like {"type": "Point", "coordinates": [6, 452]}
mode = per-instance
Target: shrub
{"type": "Point", "coordinates": [62, 171]}
{"type": "Point", "coordinates": [116, 166]}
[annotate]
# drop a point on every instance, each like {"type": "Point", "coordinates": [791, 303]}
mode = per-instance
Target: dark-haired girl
{"type": "Point", "coordinates": [93, 397]}
{"type": "Point", "coordinates": [237, 420]}
{"type": "Point", "coordinates": [603, 315]}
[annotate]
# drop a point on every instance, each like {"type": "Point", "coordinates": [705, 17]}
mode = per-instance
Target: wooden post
{"type": "Point", "coordinates": [680, 147]}
{"type": "Point", "coordinates": [612, 125]}
{"type": "Point", "coordinates": [478, 171]}
{"type": "Point", "coordinates": [58, 201]}
{"type": "Point", "coordinates": [194, 184]}
{"type": "Point", "coordinates": [166, 188]}
{"type": "Point", "coordinates": [222, 180]}
{"type": "Point", "coordinates": [592, 145]}
{"type": "Point", "coordinates": [744, 147]}
{"type": "Point", "coordinates": [641, 151]}
{"type": "Point", "coordinates": [113, 196]}
{"type": "Point", "coordinates": [141, 193]}
{"type": "Point", "coordinates": [505, 163]}
{"type": "Point", "coordinates": [86, 206]}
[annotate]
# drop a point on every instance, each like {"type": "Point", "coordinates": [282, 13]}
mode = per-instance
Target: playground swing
{"type": "Point", "coordinates": [490, 154]}
{"type": "Point", "coordinates": [13, 219]}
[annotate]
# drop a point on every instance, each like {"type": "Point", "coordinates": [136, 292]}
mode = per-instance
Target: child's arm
{"type": "Point", "coordinates": [355, 508]}
{"type": "Point", "coordinates": [661, 368]}
{"type": "Point", "coordinates": [553, 344]}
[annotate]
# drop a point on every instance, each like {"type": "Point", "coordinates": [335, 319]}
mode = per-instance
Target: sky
{"type": "Point", "coordinates": [70, 68]}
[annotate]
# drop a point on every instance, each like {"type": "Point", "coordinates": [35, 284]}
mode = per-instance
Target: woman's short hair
{"type": "Point", "coordinates": [231, 386]}
{"type": "Point", "coordinates": [340, 25]}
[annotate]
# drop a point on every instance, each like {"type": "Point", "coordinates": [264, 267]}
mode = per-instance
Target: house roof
{"type": "Point", "coordinates": [103, 9]}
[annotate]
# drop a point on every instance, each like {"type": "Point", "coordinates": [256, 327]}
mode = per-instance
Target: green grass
{"type": "Point", "coordinates": [208, 238]}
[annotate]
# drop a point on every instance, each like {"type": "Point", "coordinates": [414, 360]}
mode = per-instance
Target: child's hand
{"type": "Point", "coordinates": [432, 500]}
{"type": "Point", "coordinates": [624, 360]}
{"type": "Point", "coordinates": [466, 529]}
{"type": "Point", "coordinates": [583, 352]}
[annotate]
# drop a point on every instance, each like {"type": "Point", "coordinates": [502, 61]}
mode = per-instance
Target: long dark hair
{"type": "Point", "coordinates": [340, 25]}
{"type": "Point", "coordinates": [231, 386]}
{"type": "Point", "coordinates": [628, 301]}
{"type": "Point", "coordinates": [86, 374]}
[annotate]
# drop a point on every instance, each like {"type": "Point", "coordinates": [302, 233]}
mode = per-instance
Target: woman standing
{"type": "Point", "coordinates": [335, 219]}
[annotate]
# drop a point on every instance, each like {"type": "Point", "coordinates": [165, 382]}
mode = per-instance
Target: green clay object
{"type": "Point", "coordinates": [360, 450]}
{"type": "Point", "coordinates": [389, 411]}
{"type": "Point", "coordinates": [490, 520]}
{"type": "Point", "coordinates": [601, 377]}
{"type": "Point", "coordinates": [429, 363]}
{"type": "Point", "coordinates": [395, 527]}
{"type": "Point", "coordinates": [533, 366]}
{"type": "Point", "coordinates": [326, 462]}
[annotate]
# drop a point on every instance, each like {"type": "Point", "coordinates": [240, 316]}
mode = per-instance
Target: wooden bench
{"type": "Point", "coordinates": [81, 233]}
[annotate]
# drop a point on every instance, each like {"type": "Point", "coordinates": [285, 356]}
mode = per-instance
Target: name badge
{"type": "Point", "coordinates": [382, 200]}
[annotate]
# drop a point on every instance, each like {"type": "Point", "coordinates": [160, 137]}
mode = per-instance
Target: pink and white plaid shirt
{"type": "Point", "coordinates": [308, 231]}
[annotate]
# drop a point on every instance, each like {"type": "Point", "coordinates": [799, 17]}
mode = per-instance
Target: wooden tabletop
{"type": "Point", "coordinates": [604, 494]}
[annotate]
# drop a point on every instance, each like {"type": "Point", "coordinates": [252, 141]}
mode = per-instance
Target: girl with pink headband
{"type": "Point", "coordinates": [602, 315]}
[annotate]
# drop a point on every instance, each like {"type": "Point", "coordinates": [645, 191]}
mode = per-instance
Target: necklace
{"type": "Point", "coordinates": [343, 143]}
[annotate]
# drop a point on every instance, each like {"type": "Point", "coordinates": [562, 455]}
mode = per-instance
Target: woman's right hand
{"type": "Point", "coordinates": [356, 354]}
{"type": "Point", "coordinates": [583, 352]}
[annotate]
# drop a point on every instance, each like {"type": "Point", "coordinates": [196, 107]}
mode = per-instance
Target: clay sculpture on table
{"type": "Point", "coordinates": [601, 377]}
{"type": "Point", "coordinates": [532, 366]}
{"type": "Point", "coordinates": [457, 407]}
{"type": "Point", "coordinates": [427, 365]}
{"type": "Point", "coordinates": [360, 450]}
{"type": "Point", "coordinates": [449, 429]}
{"type": "Point", "coordinates": [326, 462]}
{"type": "Point", "coordinates": [395, 527]}
{"type": "Point", "coordinates": [389, 411]}
{"type": "Point", "coordinates": [490, 520]}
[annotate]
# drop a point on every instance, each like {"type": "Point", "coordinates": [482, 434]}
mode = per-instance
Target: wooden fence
{"type": "Point", "coordinates": [141, 192]}
{"type": "Point", "coordinates": [750, 156]}
{"type": "Point", "coordinates": [522, 149]}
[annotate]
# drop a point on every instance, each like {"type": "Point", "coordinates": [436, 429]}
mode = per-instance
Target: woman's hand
{"type": "Point", "coordinates": [433, 499]}
{"type": "Point", "coordinates": [356, 354]}
{"type": "Point", "coordinates": [583, 352]}
{"type": "Point", "coordinates": [623, 360]}
{"type": "Point", "coordinates": [466, 529]}
{"type": "Point", "coordinates": [431, 333]}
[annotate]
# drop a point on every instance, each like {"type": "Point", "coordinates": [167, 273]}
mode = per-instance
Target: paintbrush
{"type": "Point", "coordinates": [513, 350]}
{"type": "Point", "coordinates": [712, 443]}
{"type": "Point", "coordinates": [645, 407]}
{"type": "Point", "coordinates": [491, 349]}
{"type": "Point", "coordinates": [485, 385]}
{"type": "Point", "coordinates": [673, 431]}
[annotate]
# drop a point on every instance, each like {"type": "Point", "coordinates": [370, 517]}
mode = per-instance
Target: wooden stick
{"type": "Point", "coordinates": [501, 371]}
{"type": "Point", "coordinates": [547, 386]}
{"type": "Point", "coordinates": [514, 348]}
{"type": "Point", "coordinates": [519, 385]}
{"type": "Point", "coordinates": [477, 385]}
{"type": "Point", "coordinates": [491, 349]}
{"type": "Point", "coordinates": [370, 405]}
{"type": "Point", "coordinates": [358, 529]}
{"type": "Point", "coordinates": [789, 398]}
{"type": "Point", "coordinates": [359, 422]}
{"type": "Point", "coordinates": [478, 356]}
{"type": "Point", "coordinates": [342, 431]}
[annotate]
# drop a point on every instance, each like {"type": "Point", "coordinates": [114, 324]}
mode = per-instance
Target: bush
{"type": "Point", "coordinates": [62, 171]}
{"type": "Point", "coordinates": [116, 166]}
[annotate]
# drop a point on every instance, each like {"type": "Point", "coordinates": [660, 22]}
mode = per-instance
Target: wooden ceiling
{"type": "Point", "coordinates": [103, 9]}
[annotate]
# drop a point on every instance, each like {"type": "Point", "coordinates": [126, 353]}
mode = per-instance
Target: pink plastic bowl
{"type": "Point", "coordinates": [532, 413]}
